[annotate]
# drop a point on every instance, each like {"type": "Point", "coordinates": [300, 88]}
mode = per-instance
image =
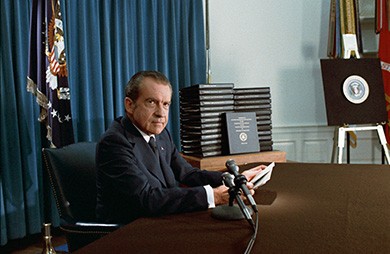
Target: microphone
{"type": "Point", "coordinates": [240, 181]}
{"type": "Point", "coordinates": [227, 179]}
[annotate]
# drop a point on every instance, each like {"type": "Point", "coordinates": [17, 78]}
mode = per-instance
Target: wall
{"type": "Point", "coordinates": [280, 44]}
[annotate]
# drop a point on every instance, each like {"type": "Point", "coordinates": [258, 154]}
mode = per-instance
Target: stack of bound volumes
{"type": "Point", "coordinates": [257, 100]}
{"type": "Point", "coordinates": [201, 109]}
{"type": "Point", "coordinates": [201, 116]}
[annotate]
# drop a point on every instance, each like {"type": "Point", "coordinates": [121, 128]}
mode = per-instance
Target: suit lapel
{"type": "Point", "coordinates": [165, 167]}
{"type": "Point", "coordinates": [150, 160]}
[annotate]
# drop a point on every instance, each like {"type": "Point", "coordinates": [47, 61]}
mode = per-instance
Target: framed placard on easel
{"type": "Point", "coordinates": [354, 95]}
{"type": "Point", "coordinates": [354, 92]}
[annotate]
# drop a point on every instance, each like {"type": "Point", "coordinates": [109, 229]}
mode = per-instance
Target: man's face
{"type": "Point", "coordinates": [150, 111]}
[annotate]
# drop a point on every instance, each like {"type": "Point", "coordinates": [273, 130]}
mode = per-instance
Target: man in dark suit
{"type": "Point", "coordinates": [136, 179]}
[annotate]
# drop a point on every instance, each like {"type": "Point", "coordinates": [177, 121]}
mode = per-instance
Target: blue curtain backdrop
{"type": "Point", "coordinates": [20, 177]}
{"type": "Point", "coordinates": [106, 43]}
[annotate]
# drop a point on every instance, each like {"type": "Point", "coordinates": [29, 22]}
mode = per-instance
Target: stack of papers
{"type": "Point", "coordinates": [263, 176]}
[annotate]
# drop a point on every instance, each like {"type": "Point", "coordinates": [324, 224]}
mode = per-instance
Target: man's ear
{"type": "Point", "coordinates": [129, 105]}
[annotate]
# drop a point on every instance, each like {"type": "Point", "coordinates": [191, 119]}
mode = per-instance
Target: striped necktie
{"type": "Point", "coordinates": [153, 145]}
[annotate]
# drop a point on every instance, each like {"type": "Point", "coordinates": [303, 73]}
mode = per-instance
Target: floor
{"type": "Point", "coordinates": [34, 244]}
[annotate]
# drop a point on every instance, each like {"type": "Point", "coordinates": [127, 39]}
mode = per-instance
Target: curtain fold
{"type": "Point", "coordinates": [106, 43]}
{"type": "Point", "coordinates": [20, 178]}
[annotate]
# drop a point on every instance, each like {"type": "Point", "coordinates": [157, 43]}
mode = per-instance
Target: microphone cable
{"type": "Point", "coordinates": [253, 238]}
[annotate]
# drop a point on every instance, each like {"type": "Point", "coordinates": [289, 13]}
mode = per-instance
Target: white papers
{"type": "Point", "coordinates": [263, 176]}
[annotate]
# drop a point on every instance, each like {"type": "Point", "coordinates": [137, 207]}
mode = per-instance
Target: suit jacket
{"type": "Point", "coordinates": [131, 182]}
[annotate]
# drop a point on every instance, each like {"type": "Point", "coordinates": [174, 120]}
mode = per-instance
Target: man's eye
{"type": "Point", "coordinates": [167, 104]}
{"type": "Point", "coordinates": [151, 102]}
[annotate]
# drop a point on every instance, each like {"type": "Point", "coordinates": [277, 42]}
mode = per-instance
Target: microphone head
{"type": "Point", "coordinates": [232, 167]}
{"type": "Point", "coordinates": [227, 179]}
{"type": "Point", "coordinates": [230, 162]}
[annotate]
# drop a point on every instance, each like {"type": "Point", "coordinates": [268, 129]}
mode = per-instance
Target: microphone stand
{"type": "Point", "coordinates": [234, 212]}
{"type": "Point", "coordinates": [234, 193]}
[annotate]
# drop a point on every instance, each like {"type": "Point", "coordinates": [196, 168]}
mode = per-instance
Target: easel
{"type": "Point", "coordinates": [343, 130]}
{"type": "Point", "coordinates": [343, 109]}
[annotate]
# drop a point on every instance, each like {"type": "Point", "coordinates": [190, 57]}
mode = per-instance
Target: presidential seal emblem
{"type": "Point", "coordinates": [355, 89]}
{"type": "Point", "coordinates": [243, 136]}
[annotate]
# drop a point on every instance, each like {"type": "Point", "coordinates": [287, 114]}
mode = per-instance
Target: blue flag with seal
{"type": "Point", "coordinates": [47, 75]}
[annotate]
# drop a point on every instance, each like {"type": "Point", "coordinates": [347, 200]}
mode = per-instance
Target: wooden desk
{"type": "Point", "coordinates": [218, 162]}
{"type": "Point", "coordinates": [304, 208]}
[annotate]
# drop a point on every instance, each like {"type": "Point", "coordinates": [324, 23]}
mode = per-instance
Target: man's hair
{"type": "Point", "coordinates": [134, 84]}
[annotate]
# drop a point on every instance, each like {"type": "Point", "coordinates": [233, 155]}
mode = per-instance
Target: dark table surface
{"type": "Point", "coordinates": [304, 208]}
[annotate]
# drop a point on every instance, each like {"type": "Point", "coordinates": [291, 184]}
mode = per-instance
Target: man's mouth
{"type": "Point", "coordinates": [157, 122]}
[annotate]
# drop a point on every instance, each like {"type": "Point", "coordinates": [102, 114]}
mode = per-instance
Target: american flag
{"type": "Point", "coordinates": [48, 76]}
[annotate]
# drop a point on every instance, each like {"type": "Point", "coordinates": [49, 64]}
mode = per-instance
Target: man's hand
{"type": "Point", "coordinates": [250, 173]}
{"type": "Point", "coordinates": [221, 195]}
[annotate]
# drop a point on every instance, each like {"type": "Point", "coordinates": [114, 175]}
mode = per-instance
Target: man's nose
{"type": "Point", "coordinates": [160, 110]}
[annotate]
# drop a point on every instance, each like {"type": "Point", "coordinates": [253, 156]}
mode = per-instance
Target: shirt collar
{"type": "Point", "coordinates": [144, 135]}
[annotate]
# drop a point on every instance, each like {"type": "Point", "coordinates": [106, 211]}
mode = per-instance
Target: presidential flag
{"type": "Point", "coordinates": [382, 27]}
{"type": "Point", "coordinates": [48, 76]}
